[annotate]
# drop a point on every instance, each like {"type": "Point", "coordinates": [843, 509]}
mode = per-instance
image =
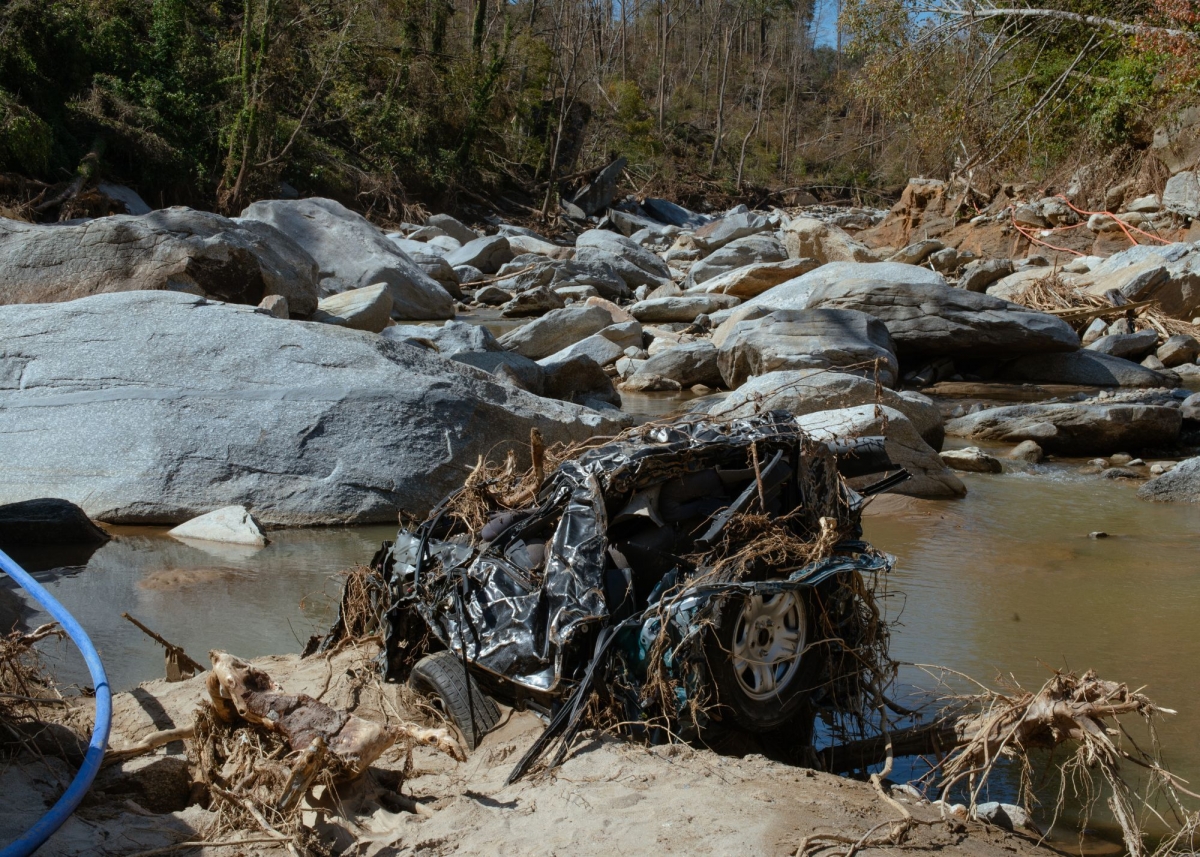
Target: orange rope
{"type": "Point", "coordinates": [1012, 216]}
{"type": "Point", "coordinates": [1124, 226]}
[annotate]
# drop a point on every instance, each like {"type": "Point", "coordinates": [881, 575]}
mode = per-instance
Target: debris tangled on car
{"type": "Point", "coordinates": [677, 579]}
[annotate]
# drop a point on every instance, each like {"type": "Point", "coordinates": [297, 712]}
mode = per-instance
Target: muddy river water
{"type": "Point", "coordinates": [1004, 582]}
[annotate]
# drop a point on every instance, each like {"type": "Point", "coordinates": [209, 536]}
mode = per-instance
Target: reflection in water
{"type": "Point", "coordinates": [203, 596]}
{"type": "Point", "coordinates": [1007, 581]}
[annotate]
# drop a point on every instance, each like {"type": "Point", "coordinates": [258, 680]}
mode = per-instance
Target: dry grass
{"type": "Point", "coordinates": [1052, 294]}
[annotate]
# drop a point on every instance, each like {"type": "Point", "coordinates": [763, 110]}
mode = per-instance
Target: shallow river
{"type": "Point", "coordinates": [1005, 581]}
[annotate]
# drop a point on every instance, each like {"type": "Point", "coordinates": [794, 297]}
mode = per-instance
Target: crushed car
{"type": "Point", "coordinates": [679, 578]}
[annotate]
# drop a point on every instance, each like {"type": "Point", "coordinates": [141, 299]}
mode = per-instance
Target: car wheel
{"type": "Point", "coordinates": [760, 669]}
{"type": "Point", "coordinates": [441, 678]}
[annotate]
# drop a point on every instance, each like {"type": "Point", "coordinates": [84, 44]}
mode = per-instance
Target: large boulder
{"type": "Point", "coordinates": [636, 265]}
{"type": "Point", "coordinates": [1179, 485]}
{"type": "Point", "coordinates": [807, 237]}
{"type": "Point", "coordinates": [938, 321]}
{"type": "Point", "coordinates": [930, 476]}
{"type": "Point", "coordinates": [556, 274]}
{"type": "Point", "coordinates": [795, 294]}
{"type": "Point", "coordinates": [1182, 194]}
{"type": "Point", "coordinates": [806, 391]}
{"type": "Point", "coordinates": [173, 249]}
{"type": "Point", "coordinates": [353, 254]}
{"type": "Point", "coordinates": [556, 330]}
{"type": "Point", "coordinates": [753, 280]}
{"type": "Point", "coordinates": [674, 215]}
{"type": "Point", "coordinates": [47, 521]}
{"type": "Point", "coordinates": [751, 250]}
{"type": "Point", "coordinates": [1168, 274]}
{"type": "Point", "coordinates": [1084, 367]}
{"type": "Point", "coordinates": [201, 405]}
{"type": "Point", "coordinates": [842, 340]}
{"type": "Point", "coordinates": [1074, 428]}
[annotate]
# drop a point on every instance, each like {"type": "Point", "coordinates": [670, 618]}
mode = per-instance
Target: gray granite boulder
{"type": "Point", "coordinates": [453, 227]}
{"type": "Point", "coordinates": [806, 391]}
{"type": "Point", "coordinates": [687, 364]}
{"type": "Point", "coordinates": [751, 250]}
{"type": "Point", "coordinates": [1180, 485]}
{"type": "Point", "coordinates": [795, 294]}
{"type": "Point", "coordinates": [556, 330]}
{"type": "Point", "coordinates": [352, 254]}
{"type": "Point", "coordinates": [201, 405]}
{"type": "Point", "coordinates": [635, 265]}
{"type": "Point", "coordinates": [718, 233]}
{"type": "Point", "coordinates": [930, 476]}
{"type": "Point", "coordinates": [1074, 428]}
{"type": "Point", "coordinates": [929, 320]}
{"type": "Point", "coordinates": [487, 254]}
{"type": "Point", "coordinates": [842, 340]}
{"type": "Point", "coordinates": [173, 249]}
{"type": "Point", "coordinates": [1131, 346]}
{"type": "Point", "coordinates": [681, 308]}
{"type": "Point", "coordinates": [1083, 367]}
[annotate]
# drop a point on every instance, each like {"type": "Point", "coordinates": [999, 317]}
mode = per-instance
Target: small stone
{"type": "Point", "coordinates": [1120, 459]}
{"type": "Point", "coordinates": [1099, 462]}
{"type": "Point", "coordinates": [232, 524]}
{"type": "Point", "coordinates": [1158, 468]}
{"type": "Point", "coordinates": [701, 389]}
{"type": "Point", "coordinates": [1098, 534]}
{"type": "Point", "coordinates": [273, 305]}
{"type": "Point", "coordinates": [368, 308]}
{"type": "Point", "coordinates": [492, 296]}
{"type": "Point", "coordinates": [1121, 473]}
{"type": "Point", "coordinates": [971, 460]}
{"type": "Point", "coordinates": [1177, 350]}
{"type": "Point", "coordinates": [1152, 362]}
{"type": "Point", "coordinates": [1136, 462]}
{"type": "Point", "coordinates": [1027, 450]}
{"type": "Point", "coordinates": [1094, 331]}
{"type": "Point", "coordinates": [1005, 815]}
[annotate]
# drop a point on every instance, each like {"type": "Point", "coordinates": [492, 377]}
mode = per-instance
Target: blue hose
{"type": "Point", "coordinates": [34, 838]}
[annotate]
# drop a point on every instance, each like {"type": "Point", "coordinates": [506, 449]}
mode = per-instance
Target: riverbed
{"type": "Point", "coordinates": [1007, 582]}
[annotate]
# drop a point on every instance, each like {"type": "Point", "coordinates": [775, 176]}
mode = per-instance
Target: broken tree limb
{"type": "Point", "coordinates": [150, 743]}
{"type": "Point", "coordinates": [180, 665]}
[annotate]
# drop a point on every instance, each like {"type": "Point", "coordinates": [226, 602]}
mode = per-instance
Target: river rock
{"type": "Point", "coordinates": [685, 308]}
{"type": "Point", "coordinates": [635, 265]}
{"type": "Point", "coordinates": [674, 215]}
{"type": "Point", "coordinates": [556, 330]}
{"type": "Point", "coordinates": [232, 524]}
{"type": "Point", "coordinates": [930, 476]}
{"type": "Point", "coordinates": [468, 274]}
{"type": "Point", "coordinates": [174, 249]}
{"type": "Point", "coordinates": [842, 340]}
{"type": "Point", "coordinates": [751, 250]}
{"type": "Point", "coordinates": [487, 254]}
{"type": "Point", "coordinates": [807, 237]}
{"type": "Point", "coordinates": [1072, 428]}
{"type": "Point", "coordinates": [795, 294]}
{"type": "Point", "coordinates": [1083, 367]}
{"type": "Point", "coordinates": [47, 521]}
{"type": "Point", "coordinates": [717, 233]}
{"type": "Point", "coordinates": [507, 366]}
{"type": "Point", "coordinates": [806, 391]}
{"type": "Point", "coordinates": [1131, 346]}
{"type": "Point", "coordinates": [752, 280]}
{"type": "Point", "coordinates": [977, 276]}
{"type": "Point", "coordinates": [598, 194]}
{"type": "Point", "coordinates": [1028, 451]}
{"type": "Point", "coordinates": [1190, 408]}
{"type": "Point", "coordinates": [531, 302]}
{"type": "Point", "coordinates": [971, 459]}
{"type": "Point", "coordinates": [1169, 274]}
{"type": "Point", "coordinates": [606, 347]}
{"type": "Point", "coordinates": [202, 405]}
{"type": "Point", "coordinates": [449, 339]}
{"type": "Point", "coordinates": [360, 309]}
{"type": "Point", "coordinates": [938, 321]}
{"type": "Point", "coordinates": [1182, 194]}
{"type": "Point", "coordinates": [1178, 349]}
{"type": "Point", "coordinates": [917, 252]}
{"type": "Point", "coordinates": [453, 227]}
{"type": "Point", "coordinates": [1179, 485]}
{"type": "Point", "coordinates": [582, 380]}
{"type": "Point", "coordinates": [353, 253]}
{"type": "Point", "coordinates": [687, 364]}
{"type": "Point", "coordinates": [275, 306]}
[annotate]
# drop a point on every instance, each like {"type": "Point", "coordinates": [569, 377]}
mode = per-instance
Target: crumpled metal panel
{"type": "Point", "coordinates": [516, 627]}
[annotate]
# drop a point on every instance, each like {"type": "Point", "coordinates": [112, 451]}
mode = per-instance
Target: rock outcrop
{"type": "Point", "coordinates": [1071, 428]}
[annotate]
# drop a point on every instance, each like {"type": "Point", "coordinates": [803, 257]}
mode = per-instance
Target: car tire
{"type": "Point", "coordinates": [762, 694]}
{"type": "Point", "coordinates": [441, 678]}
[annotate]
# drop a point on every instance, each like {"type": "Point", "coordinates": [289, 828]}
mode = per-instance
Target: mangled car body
{"type": "Point", "coordinates": [677, 576]}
